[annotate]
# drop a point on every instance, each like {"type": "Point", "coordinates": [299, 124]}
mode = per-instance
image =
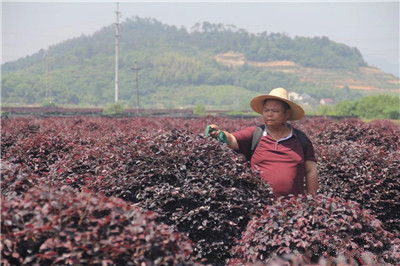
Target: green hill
{"type": "Point", "coordinates": [214, 65]}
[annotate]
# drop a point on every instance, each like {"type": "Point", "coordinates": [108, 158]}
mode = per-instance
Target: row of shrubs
{"type": "Point", "coordinates": [147, 191]}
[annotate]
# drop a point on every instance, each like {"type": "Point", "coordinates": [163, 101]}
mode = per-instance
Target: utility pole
{"type": "Point", "coordinates": [47, 77]}
{"type": "Point", "coordinates": [137, 88]}
{"type": "Point", "coordinates": [117, 13]}
{"type": "Point", "coordinates": [235, 83]}
{"type": "Point", "coordinates": [48, 60]}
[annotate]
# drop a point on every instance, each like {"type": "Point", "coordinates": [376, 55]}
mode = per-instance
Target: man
{"type": "Point", "coordinates": [279, 156]}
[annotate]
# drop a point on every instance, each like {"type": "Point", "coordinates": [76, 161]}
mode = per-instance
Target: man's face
{"type": "Point", "coordinates": [274, 113]}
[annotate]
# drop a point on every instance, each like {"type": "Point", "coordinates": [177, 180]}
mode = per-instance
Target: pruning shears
{"type": "Point", "coordinates": [221, 135]}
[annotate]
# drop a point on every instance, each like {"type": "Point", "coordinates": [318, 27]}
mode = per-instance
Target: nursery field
{"type": "Point", "coordinates": [155, 191]}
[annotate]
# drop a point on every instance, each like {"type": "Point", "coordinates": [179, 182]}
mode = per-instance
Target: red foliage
{"type": "Point", "coordinates": [166, 165]}
{"type": "Point", "coordinates": [317, 228]}
{"type": "Point", "coordinates": [61, 226]}
{"type": "Point", "coordinates": [360, 161]}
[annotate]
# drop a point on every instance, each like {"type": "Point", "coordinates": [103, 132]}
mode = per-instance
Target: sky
{"type": "Point", "coordinates": [371, 26]}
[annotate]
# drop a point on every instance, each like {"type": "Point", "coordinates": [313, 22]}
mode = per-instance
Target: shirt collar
{"type": "Point", "coordinates": [285, 138]}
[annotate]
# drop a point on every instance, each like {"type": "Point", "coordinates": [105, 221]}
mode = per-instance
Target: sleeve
{"type": "Point", "coordinates": [243, 138]}
{"type": "Point", "coordinates": [310, 153]}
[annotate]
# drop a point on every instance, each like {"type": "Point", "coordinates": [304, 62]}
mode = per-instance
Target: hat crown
{"type": "Point", "coordinates": [279, 92]}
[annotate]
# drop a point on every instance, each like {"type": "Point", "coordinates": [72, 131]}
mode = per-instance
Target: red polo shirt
{"type": "Point", "coordinates": [281, 163]}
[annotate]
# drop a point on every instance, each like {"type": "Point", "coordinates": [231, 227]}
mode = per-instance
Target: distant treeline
{"type": "Point", "coordinates": [368, 107]}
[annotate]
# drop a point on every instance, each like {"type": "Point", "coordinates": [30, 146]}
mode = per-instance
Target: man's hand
{"type": "Point", "coordinates": [214, 131]}
{"type": "Point", "coordinates": [230, 139]}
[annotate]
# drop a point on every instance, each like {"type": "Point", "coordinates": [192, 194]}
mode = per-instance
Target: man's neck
{"type": "Point", "coordinates": [279, 132]}
{"type": "Point", "coordinates": [278, 129]}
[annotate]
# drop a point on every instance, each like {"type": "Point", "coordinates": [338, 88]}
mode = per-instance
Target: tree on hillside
{"type": "Point", "coordinates": [345, 108]}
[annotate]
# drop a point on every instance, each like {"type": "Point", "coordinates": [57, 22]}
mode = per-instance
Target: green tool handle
{"type": "Point", "coordinates": [221, 135]}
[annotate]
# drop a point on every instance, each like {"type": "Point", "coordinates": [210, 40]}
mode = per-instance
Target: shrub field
{"type": "Point", "coordinates": [155, 191]}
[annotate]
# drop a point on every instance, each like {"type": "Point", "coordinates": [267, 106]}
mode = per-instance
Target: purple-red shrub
{"type": "Point", "coordinates": [379, 133]}
{"type": "Point", "coordinates": [196, 185]}
{"type": "Point", "coordinates": [164, 164]}
{"type": "Point", "coordinates": [317, 228]}
{"type": "Point", "coordinates": [360, 162]}
{"type": "Point", "coordinates": [64, 227]}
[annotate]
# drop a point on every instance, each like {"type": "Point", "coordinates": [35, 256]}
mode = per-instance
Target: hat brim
{"type": "Point", "coordinates": [257, 103]}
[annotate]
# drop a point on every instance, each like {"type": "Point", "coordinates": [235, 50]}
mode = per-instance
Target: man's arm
{"type": "Point", "coordinates": [232, 142]}
{"type": "Point", "coordinates": [311, 177]}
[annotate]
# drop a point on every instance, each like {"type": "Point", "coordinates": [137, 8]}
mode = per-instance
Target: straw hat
{"type": "Point", "coordinates": [257, 103]}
